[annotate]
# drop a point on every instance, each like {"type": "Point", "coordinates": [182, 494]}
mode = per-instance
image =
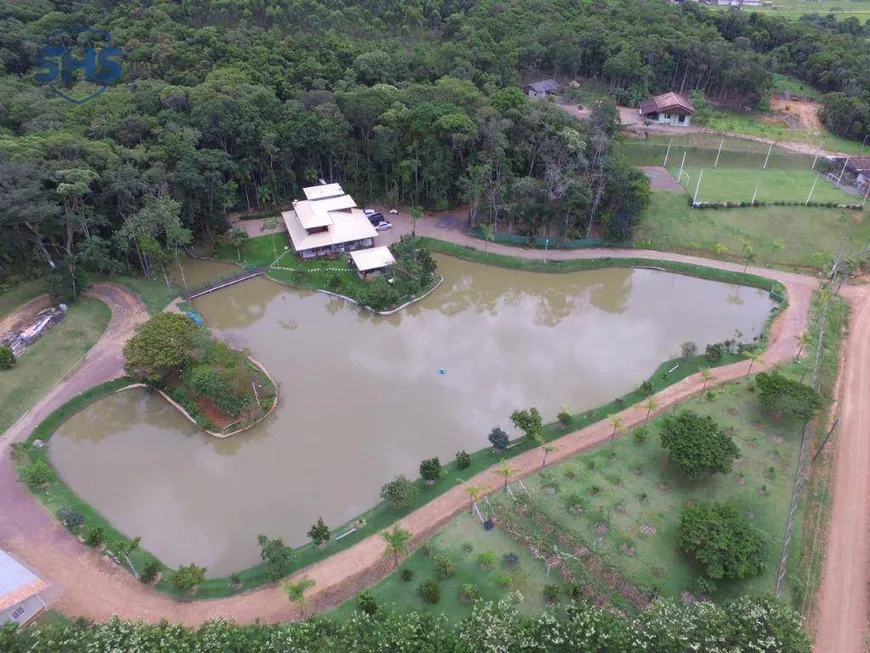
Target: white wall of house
{"type": "Point", "coordinates": [23, 612]}
{"type": "Point", "coordinates": [666, 118]}
{"type": "Point", "coordinates": [532, 93]}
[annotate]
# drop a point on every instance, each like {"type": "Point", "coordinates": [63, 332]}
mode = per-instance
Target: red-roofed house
{"type": "Point", "coordinates": [667, 109]}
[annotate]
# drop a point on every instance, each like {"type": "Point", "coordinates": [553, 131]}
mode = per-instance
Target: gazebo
{"type": "Point", "coordinates": [373, 261]}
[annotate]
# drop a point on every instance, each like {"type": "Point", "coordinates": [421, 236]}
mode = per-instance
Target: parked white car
{"type": "Point", "coordinates": [369, 211]}
{"type": "Point", "coordinates": [394, 211]}
{"type": "Point", "coordinates": [383, 226]}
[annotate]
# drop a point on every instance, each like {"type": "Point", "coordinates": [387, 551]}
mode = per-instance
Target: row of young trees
{"type": "Point", "coordinates": [745, 624]}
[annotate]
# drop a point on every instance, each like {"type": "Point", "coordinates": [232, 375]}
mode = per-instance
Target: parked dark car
{"type": "Point", "coordinates": [375, 218]}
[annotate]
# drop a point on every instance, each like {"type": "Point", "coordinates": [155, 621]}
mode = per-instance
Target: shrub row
{"type": "Point", "coordinates": [748, 205]}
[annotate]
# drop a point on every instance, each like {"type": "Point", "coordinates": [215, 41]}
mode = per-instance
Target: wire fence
{"type": "Point", "coordinates": [713, 152]}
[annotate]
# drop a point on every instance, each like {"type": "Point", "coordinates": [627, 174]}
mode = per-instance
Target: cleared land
{"type": "Point", "coordinates": [809, 236]}
{"type": "Point", "coordinates": [44, 364]}
{"type": "Point", "coordinates": [739, 184]}
{"type": "Point", "coordinates": [13, 298]}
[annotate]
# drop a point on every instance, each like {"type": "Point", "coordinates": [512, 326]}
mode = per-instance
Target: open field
{"type": "Point", "coordinates": [739, 184]}
{"type": "Point", "coordinates": [20, 294]}
{"type": "Point", "coordinates": [42, 365]}
{"type": "Point", "coordinates": [809, 236]}
{"type": "Point", "coordinates": [462, 541]}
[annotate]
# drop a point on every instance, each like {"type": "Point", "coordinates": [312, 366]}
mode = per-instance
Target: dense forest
{"type": "Point", "coordinates": [233, 105]}
{"type": "Point", "coordinates": [667, 626]}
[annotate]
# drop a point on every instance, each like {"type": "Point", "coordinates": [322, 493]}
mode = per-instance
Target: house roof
{"type": "Point", "coordinates": [346, 227]}
{"type": "Point", "coordinates": [322, 191]}
{"type": "Point", "coordinates": [17, 583]}
{"type": "Point", "coordinates": [666, 102]}
{"type": "Point", "coordinates": [860, 163]}
{"type": "Point", "coordinates": [373, 258]}
{"type": "Point", "coordinates": [545, 86]}
{"type": "Point", "coordinates": [317, 212]}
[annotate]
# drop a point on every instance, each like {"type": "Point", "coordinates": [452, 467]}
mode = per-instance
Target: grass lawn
{"type": "Point", "coordinates": [42, 365]}
{"type": "Point", "coordinates": [623, 503]}
{"type": "Point", "coordinates": [462, 541]}
{"type": "Point", "coordinates": [809, 236]}
{"type": "Point", "coordinates": [738, 185]}
{"type": "Point", "coordinates": [154, 294]}
{"type": "Point", "coordinates": [20, 294]}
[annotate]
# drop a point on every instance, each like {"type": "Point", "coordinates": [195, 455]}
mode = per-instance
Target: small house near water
{"type": "Point", "coordinates": [372, 262]}
{"type": "Point", "coordinates": [20, 588]}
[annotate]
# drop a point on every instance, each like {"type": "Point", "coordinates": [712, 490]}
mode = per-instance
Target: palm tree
{"type": "Point", "coordinates": [270, 224]}
{"type": "Point", "coordinates": [708, 376]}
{"type": "Point", "coordinates": [616, 420]}
{"type": "Point", "coordinates": [473, 491]}
{"type": "Point", "coordinates": [804, 340]}
{"type": "Point", "coordinates": [488, 234]}
{"type": "Point", "coordinates": [416, 214]}
{"type": "Point", "coordinates": [775, 246]}
{"type": "Point", "coordinates": [719, 250]}
{"type": "Point", "coordinates": [650, 404]}
{"type": "Point", "coordinates": [296, 592]}
{"type": "Point", "coordinates": [546, 448]}
{"type": "Point", "coordinates": [236, 237]}
{"type": "Point", "coordinates": [754, 356]}
{"type": "Point", "coordinates": [505, 470]}
{"type": "Point", "coordinates": [397, 542]}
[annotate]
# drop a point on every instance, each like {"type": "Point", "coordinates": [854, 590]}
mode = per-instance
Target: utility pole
{"type": "Point", "coordinates": [816, 158]}
{"type": "Point", "coordinates": [721, 143]}
{"type": "Point", "coordinates": [809, 197]}
{"type": "Point", "coordinates": [767, 158]}
{"type": "Point", "coordinates": [665, 164]}
{"type": "Point", "coordinates": [698, 187]}
{"type": "Point", "coordinates": [840, 178]}
{"type": "Point", "coordinates": [682, 165]}
{"type": "Point", "coordinates": [825, 441]}
{"type": "Point", "coordinates": [756, 192]}
{"type": "Point", "coordinates": [866, 193]}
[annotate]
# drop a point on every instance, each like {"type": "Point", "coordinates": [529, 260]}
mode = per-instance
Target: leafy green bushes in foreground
{"type": "Point", "coordinates": [745, 624]}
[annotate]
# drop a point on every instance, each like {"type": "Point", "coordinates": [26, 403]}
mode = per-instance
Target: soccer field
{"type": "Point", "coordinates": [739, 184]}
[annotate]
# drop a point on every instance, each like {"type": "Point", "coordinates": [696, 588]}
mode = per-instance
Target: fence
{"type": "Point", "coordinates": [703, 151]}
{"type": "Point", "coordinates": [540, 243]}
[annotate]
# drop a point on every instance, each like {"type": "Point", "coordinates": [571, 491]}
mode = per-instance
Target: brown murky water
{"type": "Point", "coordinates": [363, 400]}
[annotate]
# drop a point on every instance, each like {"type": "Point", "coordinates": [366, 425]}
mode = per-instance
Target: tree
{"type": "Point", "coordinates": [754, 356]}
{"type": "Point", "coordinates": [804, 340]}
{"type": "Point", "coordinates": [697, 446]}
{"type": "Point", "coordinates": [650, 404]}
{"type": "Point", "coordinates": [722, 541]}
{"type": "Point", "coordinates": [688, 349]}
{"type": "Point", "coordinates": [506, 471]}
{"type": "Point", "coordinates": [616, 420]}
{"type": "Point", "coordinates": [271, 223]}
{"type": "Point", "coordinates": [783, 396]}
{"type": "Point", "coordinates": [161, 346]}
{"type": "Point", "coordinates": [319, 532]}
{"type": "Point", "coordinates": [187, 579]}
{"type": "Point", "coordinates": [236, 237]}
{"type": "Point", "coordinates": [488, 232]}
{"type": "Point", "coordinates": [775, 246]}
{"type": "Point", "coordinates": [474, 491]}
{"type": "Point", "coordinates": [719, 250]}
{"type": "Point", "coordinates": [528, 421]}
{"type": "Point", "coordinates": [397, 541]}
{"type": "Point", "coordinates": [7, 358]}
{"type": "Point", "coordinates": [296, 592]}
{"type": "Point", "coordinates": [416, 213]}
{"type": "Point", "coordinates": [275, 555]}
{"type": "Point", "coordinates": [498, 438]}
{"type": "Point", "coordinates": [399, 492]}
{"type": "Point", "coordinates": [545, 448]}
{"type": "Point", "coordinates": [430, 469]}
{"type": "Point", "coordinates": [708, 377]}
{"type": "Point", "coordinates": [746, 248]}
{"type": "Point", "coordinates": [565, 418]}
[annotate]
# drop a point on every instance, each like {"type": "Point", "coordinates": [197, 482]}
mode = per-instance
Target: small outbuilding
{"type": "Point", "coordinates": [20, 588]}
{"type": "Point", "coordinates": [667, 109]}
{"type": "Point", "coordinates": [542, 89]}
{"type": "Point", "coordinates": [860, 167]}
{"type": "Point", "coordinates": [372, 262]}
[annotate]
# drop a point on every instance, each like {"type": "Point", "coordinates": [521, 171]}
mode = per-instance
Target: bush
{"type": "Point", "coordinates": [463, 460]}
{"type": "Point", "coordinates": [430, 469]}
{"type": "Point", "coordinates": [426, 549]}
{"type": "Point", "coordinates": [406, 575]}
{"type": "Point", "coordinates": [510, 559]}
{"type": "Point", "coordinates": [721, 541]}
{"type": "Point", "coordinates": [702, 585]}
{"type": "Point", "coordinates": [468, 592]}
{"type": "Point", "coordinates": [7, 358]}
{"type": "Point", "coordinates": [486, 559]}
{"type": "Point", "coordinates": [688, 349]}
{"type": "Point", "coordinates": [780, 396]}
{"type": "Point", "coordinates": [565, 419]}
{"type": "Point", "coordinates": [697, 446]}
{"type": "Point", "coordinates": [503, 580]}
{"type": "Point", "coordinates": [150, 572]}
{"type": "Point", "coordinates": [640, 435]}
{"type": "Point", "coordinates": [445, 567]}
{"type": "Point", "coordinates": [366, 602]}
{"type": "Point", "coordinates": [187, 579]}
{"type": "Point", "coordinates": [467, 547]}
{"type": "Point", "coordinates": [715, 352]}
{"type": "Point", "coordinates": [498, 438]}
{"type": "Point", "coordinates": [647, 388]}
{"type": "Point", "coordinates": [576, 592]}
{"type": "Point", "coordinates": [162, 346]}
{"type": "Point", "coordinates": [399, 492]}
{"type": "Point", "coordinates": [551, 593]}
{"type": "Point", "coordinates": [73, 521]}
{"type": "Point", "coordinates": [96, 537]}
{"type": "Point", "coordinates": [319, 532]}
{"type": "Point", "coordinates": [430, 591]}
{"type": "Point", "coordinates": [36, 475]}
{"type": "Point", "coordinates": [276, 556]}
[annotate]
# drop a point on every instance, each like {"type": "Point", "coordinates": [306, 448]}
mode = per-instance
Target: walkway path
{"type": "Point", "coordinates": [92, 587]}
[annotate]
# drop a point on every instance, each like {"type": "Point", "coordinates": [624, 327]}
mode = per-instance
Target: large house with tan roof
{"type": "Point", "coordinates": [327, 222]}
{"type": "Point", "coordinates": [667, 109]}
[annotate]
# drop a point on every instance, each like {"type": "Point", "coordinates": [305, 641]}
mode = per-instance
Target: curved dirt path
{"type": "Point", "coordinates": [87, 584]}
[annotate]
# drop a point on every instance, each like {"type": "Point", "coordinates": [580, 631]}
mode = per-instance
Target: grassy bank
{"type": "Point", "coordinates": [154, 294]}
{"type": "Point", "coordinates": [19, 295]}
{"type": "Point", "coordinates": [809, 236]}
{"type": "Point", "coordinates": [41, 366]}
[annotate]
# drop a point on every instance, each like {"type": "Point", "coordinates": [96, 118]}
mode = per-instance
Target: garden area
{"type": "Point", "coordinates": [790, 237]}
{"type": "Point", "coordinates": [414, 273]}
{"type": "Point", "coordinates": [219, 387]}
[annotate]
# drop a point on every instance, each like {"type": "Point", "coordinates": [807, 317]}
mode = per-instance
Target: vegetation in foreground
{"type": "Point", "coordinates": [666, 627]}
{"type": "Point", "coordinates": [414, 273]}
{"type": "Point", "coordinates": [41, 366]}
{"type": "Point", "coordinates": [217, 385]}
{"type": "Point", "coordinates": [772, 233]}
